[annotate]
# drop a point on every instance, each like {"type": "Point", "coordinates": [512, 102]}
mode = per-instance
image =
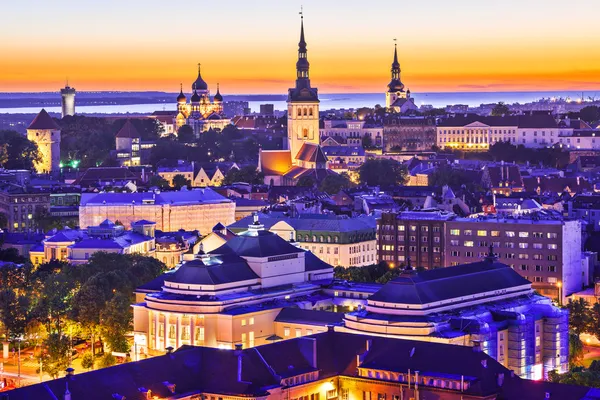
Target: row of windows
{"type": "Point", "coordinates": [508, 256]}
{"type": "Point", "coordinates": [508, 245]}
{"type": "Point", "coordinates": [538, 235]}
{"type": "Point", "coordinates": [423, 249]}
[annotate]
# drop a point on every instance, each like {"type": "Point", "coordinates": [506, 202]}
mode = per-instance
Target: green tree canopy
{"type": "Point", "coordinates": [332, 184]}
{"type": "Point", "coordinates": [180, 181]}
{"type": "Point", "coordinates": [382, 172]}
{"type": "Point", "coordinates": [248, 174]}
{"type": "Point", "coordinates": [580, 317]}
{"type": "Point", "coordinates": [56, 358]}
{"type": "Point", "coordinates": [590, 114]}
{"type": "Point", "coordinates": [159, 181]}
{"type": "Point", "coordinates": [17, 151]}
{"type": "Point", "coordinates": [185, 134]}
{"type": "Point", "coordinates": [306, 181]}
{"type": "Point", "coordinates": [500, 109]}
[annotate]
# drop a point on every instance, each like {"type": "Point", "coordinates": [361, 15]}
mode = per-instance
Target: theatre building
{"type": "Point", "coordinates": [232, 295]}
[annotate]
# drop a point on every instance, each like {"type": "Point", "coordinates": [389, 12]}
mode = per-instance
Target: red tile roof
{"type": "Point", "coordinates": [43, 121]}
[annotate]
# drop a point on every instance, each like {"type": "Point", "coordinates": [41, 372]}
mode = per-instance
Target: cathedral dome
{"type": "Point", "coordinates": [181, 98]}
{"type": "Point", "coordinates": [199, 83]}
{"type": "Point", "coordinates": [218, 96]}
{"type": "Point", "coordinates": [195, 97]}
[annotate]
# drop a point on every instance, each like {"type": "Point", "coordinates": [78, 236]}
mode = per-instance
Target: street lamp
{"type": "Point", "coordinates": [19, 339]}
{"type": "Point", "coordinates": [559, 284]}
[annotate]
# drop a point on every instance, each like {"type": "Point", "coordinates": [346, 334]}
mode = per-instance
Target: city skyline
{"type": "Point", "coordinates": [250, 49]}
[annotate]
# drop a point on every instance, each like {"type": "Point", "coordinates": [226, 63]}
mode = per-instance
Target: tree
{"type": "Point", "coordinates": [306, 181]}
{"type": "Point", "coordinates": [19, 152]}
{"type": "Point", "coordinates": [594, 327]}
{"type": "Point", "coordinates": [87, 360]}
{"type": "Point", "coordinates": [116, 320]}
{"type": "Point", "coordinates": [382, 172]}
{"type": "Point", "coordinates": [180, 181]}
{"type": "Point", "coordinates": [590, 114]}
{"type": "Point", "coordinates": [108, 360]}
{"type": "Point", "coordinates": [159, 181]}
{"type": "Point", "coordinates": [579, 316]}
{"type": "Point", "coordinates": [367, 142]}
{"type": "Point", "coordinates": [500, 109]}
{"type": "Point", "coordinates": [247, 174]}
{"type": "Point", "coordinates": [87, 139]}
{"type": "Point", "coordinates": [185, 134]}
{"type": "Point", "coordinates": [14, 312]}
{"type": "Point", "coordinates": [332, 184]}
{"type": "Point", "coordinates": [575, 349]}
{"type": "Point", "coordinates": [56, 358]}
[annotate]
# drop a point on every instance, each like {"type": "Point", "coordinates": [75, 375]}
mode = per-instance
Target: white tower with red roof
{"type": "Point", "coordinates": [45, 132]}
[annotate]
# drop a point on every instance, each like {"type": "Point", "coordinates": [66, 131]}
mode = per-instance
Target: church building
{"type": "Point", "coordinates": [201, 112]}
{"type": "Point", "coordinates": [396, 98]}
{"type": "Point", "coordinates": [304, 156]}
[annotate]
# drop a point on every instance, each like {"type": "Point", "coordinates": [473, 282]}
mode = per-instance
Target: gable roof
{"type": "Point", "coordinates": [215, 270]}
{"type": "Point", "coordinates": [128, 131]}
{"type": "Point", "coordinates": [311, 152]}
{"type": "Point", "coordinates": [43, 121]}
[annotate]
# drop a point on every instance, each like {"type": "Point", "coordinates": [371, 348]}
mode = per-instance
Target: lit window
{"type": "Point", "coordinates": [455, 232]}
{"type": "Point", "coordinates": [243, 322]}
{"type": "Point", "coordinates": [481, 233]}
{"type": "Point", "coordinates": [251, 321]}
{"type": "Point", "coordinates": [510, 234]}
{"type": "Point", "coordinates": [552, 246]}
{"type": "Point", "coordinates": [286, 332]}
{"type": "Point", "coordinates": [469, 243]}
{"type": "Point", "coordinates": [298, 332]}
{"type": "Point", "coordinates": [495, 233]}
{"type": "Point", "coordinates": [524, 234]}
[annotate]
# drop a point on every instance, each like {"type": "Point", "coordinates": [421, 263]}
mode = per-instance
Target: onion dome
{"type": "Point", "coordinates": [195, 97]}
{"type": "Point", "coordinates": [218, 96]}
{"type": "Point", "coordinates": [181, 98]}
{"type": "Point", "coordinates": [199, 83]}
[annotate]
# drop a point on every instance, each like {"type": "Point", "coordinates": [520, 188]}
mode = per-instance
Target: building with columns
{"type": "Point", "coordinates": [44, 132]}
{"type": "Point", "coordinates": [231, 295]}
{"type": "Point", "coordinates": [303, 156]}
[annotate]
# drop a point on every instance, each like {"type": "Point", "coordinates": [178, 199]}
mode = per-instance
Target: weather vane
{"type": "Point", "coordinates": [302, 15]}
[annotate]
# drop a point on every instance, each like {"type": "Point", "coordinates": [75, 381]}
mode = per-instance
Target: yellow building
{"type": "Point", "coordinates": [45, 133]}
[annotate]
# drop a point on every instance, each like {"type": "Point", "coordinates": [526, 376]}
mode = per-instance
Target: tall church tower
{"type": "Point", "coordinates": [67, 95]}
{"type": "Point", "coordinates": [395, 87]}
{"type": "Point", "coordinates": [44, 132]}
{"type": "Point", "coordinates": [303, 104]}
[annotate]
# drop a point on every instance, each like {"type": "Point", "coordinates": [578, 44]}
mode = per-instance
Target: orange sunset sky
{"type": "Point", "coordinates": [250, 46]}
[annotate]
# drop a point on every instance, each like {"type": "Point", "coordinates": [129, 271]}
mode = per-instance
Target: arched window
{"type": "Point", "coordinates": [305, 112]}
{"type": "Point", "coordinates": [321, 239]}
{"type": "Point", "coordinates": [305, 133]}
{"type": "Point", "coordinates": [314, 238]}
{"type": "Point", "coordinates": [328, 239]}
{"type": "Point", "coordinates": [299, 114]}
{"type": "Point", "coordinates": [306, 238]}
{"type": "Point", "coordinates": [336, 239]}
{"type": "Point", "coordinates": [310, 112]}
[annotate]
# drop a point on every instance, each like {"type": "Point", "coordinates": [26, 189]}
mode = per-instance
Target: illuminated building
{"type": "Point", "coordinates": [232, 295]}
{"type": "Point", "coordinates": [67, 95]}
{"type": "Point", "coordinates": [201, 112]}
{"type": "Point", "coordinates": [198, 209]}
{"type": "Point", "coordinates": [396, 98]}
{"type": "Point", "coordinates": [408, 133]}
{"type": "Point", "coordinates": [350, 132]}
{"type": "Point", "coordinates": [484, 303]}
{"type": "Point", "coordinates": [477, 133]}
{"type": "Point", "coordinates": [20, 203]}
{"type": "Point", "coordinates": [303, 157]}
{"type": "Point", "coordinates": [326, 366]}
{"type": "Point", "coordinates": [336, 240]}
{"type": "Point", "coordinates": [75, 246]}
{"type": "Point", "coordinates": [128, 144]}
{"type": "Point", "coordinates": [45, 133]}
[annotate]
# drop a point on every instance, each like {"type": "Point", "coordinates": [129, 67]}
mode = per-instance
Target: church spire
{"type": "Point", "coordinates": [302, 66]}
{"type": "Point", "coordinates": [395, 64]}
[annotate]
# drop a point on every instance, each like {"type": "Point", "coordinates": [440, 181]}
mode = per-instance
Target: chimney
{"type": "Point", "coordinates": [484, 363]}
{"type": "Point", "coordinates": [369, 344]}
{"type": "Point", "coordinates": [170, 386]}
{"type": "Point", "coordinates": [476, 346]}
{"type": "Point", "coordinates": [147, 393]}
{"type": "Point", "coordinates": [308, 348]}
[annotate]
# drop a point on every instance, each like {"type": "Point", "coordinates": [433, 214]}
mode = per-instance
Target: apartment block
{"type": "Point", "coordinates": [545, 250]}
